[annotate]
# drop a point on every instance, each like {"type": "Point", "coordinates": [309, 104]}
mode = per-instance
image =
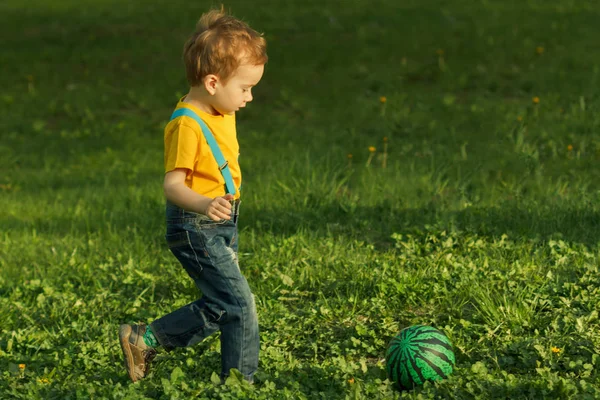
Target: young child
{"type": "Point", "coordinates": [224, 59]}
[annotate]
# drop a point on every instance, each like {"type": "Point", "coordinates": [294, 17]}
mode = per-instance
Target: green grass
{"type": "Point", "coordinates": [485, 222]}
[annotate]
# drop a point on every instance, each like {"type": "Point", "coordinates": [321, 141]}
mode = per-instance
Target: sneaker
{"type": "Point", "coordinates": [137, 354]}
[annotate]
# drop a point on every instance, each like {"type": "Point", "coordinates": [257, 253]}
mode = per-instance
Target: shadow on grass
{"type": "Point", "coordinates": [377, 224]}
{"type": "Point", "coordinates": [372, 224]}
{"type": "Point", "coordinates": [311, 380]}
{"type": "Point", "coordinates": [530, 389]}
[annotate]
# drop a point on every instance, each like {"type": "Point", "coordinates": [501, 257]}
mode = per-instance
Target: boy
{"type": "Point", "coordinates": [224, 59]}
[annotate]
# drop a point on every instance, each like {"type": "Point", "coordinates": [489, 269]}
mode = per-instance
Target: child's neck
{"type": "Point", "coordinates": [200, 99]}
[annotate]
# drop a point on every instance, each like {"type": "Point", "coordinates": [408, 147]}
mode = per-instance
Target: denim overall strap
{"type": "Point", "coordinates": [212, 143]}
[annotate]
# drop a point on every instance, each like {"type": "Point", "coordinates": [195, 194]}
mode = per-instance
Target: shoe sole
{"type": "Point", "coordinates": [124, 334]}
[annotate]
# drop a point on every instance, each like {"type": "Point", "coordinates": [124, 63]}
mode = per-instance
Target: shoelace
{"type": "Point", "coordinates": [148, 357]}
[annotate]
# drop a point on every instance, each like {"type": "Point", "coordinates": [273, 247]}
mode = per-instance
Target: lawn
{"type": "Point", "coordinates": [405, 162]}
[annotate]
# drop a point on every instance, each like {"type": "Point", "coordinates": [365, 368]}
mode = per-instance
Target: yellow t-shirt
{"type": "Point", "coordinates": [186, 147]}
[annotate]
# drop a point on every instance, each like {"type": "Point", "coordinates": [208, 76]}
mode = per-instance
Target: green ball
{"type": "Point", "coordinates": [417, 354]}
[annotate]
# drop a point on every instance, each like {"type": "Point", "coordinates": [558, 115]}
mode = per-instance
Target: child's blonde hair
{"type": "Point", "coordinates": [220, 44]}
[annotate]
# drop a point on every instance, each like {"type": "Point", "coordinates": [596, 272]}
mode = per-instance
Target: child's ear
{"type": "Point", "coordinates": [210, 83]}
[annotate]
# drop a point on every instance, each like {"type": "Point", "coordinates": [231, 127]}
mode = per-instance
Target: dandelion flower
{"type": "Point", "coordinates": [350, 156]}
{"type": "Point", "coordinates": [539, 50]}
{"type": "Point", "coordinates": [555, 350]}
{"type": "Point", "coordinates": [385, 139]}
{"type": "Point", "coordinates": [21, 366]}
{"type": "Point", "coordinates": [372, 151]}
{"type": "Point", "coordinates": [519, 118]}
{"type": "Point", "coordinates": [383, 101]}
{"type": "Point", "coordinates": [351, 381]}
{"type": "Point", "coordinates": [440, 52]}
{"type": "Point", "coordinates": [570, 147]}
{"type": "Point", "coordinates": [536, 100]}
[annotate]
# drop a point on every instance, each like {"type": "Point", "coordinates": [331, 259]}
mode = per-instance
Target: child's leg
{"type": "Point", "coordinates": [240, 342]}
{"type": "Point", "coordinates": [187, 325]}
{"type": "Point", "coordinates": [208, 254]}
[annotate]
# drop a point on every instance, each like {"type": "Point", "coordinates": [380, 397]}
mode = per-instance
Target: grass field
{"type": "Point", "coordinates": [477, 213]}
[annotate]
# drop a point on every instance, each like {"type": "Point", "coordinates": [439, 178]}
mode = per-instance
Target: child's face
{"type": "Point", "coordinates": [234, 95]}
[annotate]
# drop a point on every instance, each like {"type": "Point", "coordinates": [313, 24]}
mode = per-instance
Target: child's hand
{"type": "Point", "coordinates": [220, 208]}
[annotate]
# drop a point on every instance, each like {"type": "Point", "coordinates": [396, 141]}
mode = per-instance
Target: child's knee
{"type": "Point", "coordinates": [245, 307]}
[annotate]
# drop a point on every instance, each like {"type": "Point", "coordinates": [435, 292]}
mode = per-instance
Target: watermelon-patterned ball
{"type": "Point", "coordinates": [417, 354]}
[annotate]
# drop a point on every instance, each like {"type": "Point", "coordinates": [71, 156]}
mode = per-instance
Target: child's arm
{"type": "Point", "coordinates": [179, 194]}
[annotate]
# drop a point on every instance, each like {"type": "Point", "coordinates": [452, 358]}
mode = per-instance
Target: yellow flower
{"type": "Point", "coordinates": [570, 147]}
{"type": "Point", "coordinates": [351, 381]}
{"type": "Point", "coordinates": [555, 350]}
{"type": "Point", "coordinates": [383, 99]}
{"type": "Point", "coordinates": [21, 366]}
{"type": "Point", "coordinates": [43, 380]}
{"type": "Point", "coordinates": [440, 52]}
{"type": "Point", "coordinates": [350, 156]}
{"type": "Point", "coordinates": [536, 100]}
{"type": "Point", "coordinates": [385, 139]}
{"type": "Point", "coordinates": [539, 50]}
{"type": "Point", "coordinates": [372, 149]}
{"type": "Point", "coordinates": [519, 118]}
